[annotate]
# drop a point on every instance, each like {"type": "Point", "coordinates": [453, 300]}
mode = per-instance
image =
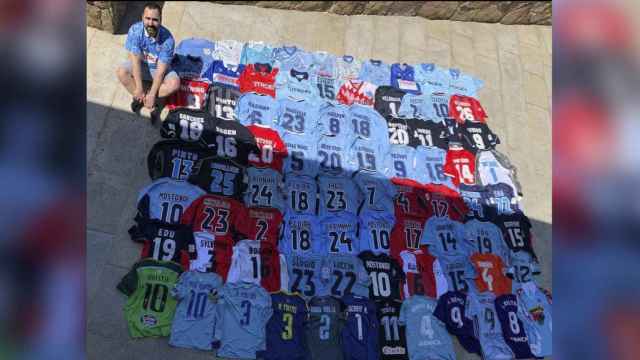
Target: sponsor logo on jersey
{"type": "Point", "coordinates": [397, 350]}
{"type": "Point", "coordinates": [148, 320]}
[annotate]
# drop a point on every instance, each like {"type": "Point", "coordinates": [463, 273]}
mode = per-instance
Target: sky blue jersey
{"type": "Point", "coordinates": [301, 235]}
{"type": "Point", "coordinates": [338, 234]}
{"type": "Point", "coordinates": [481, 309]}
{"type": "Point", "coordinates": [427, 336]}
{"type": "Point", "coordinates": [376, 192]}
{"type": "Point", "coordinates": [375, 231]}
{"type": "Point", "coordinates": [376, 72]}
{"type": "Point", "coordinates": [254, 108]}
{"type": "Point", "coordinates": [337, 194]}
{"type": "Point", "coordinates": [341, 275]}
{"type": "Point", "coordinates": [400, 162]}
{"type": "Point", "coordinates": [301, 194]}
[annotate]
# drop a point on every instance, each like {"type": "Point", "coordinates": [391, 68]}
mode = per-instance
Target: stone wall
{"type": "Point", "coordinates": [106, 15]}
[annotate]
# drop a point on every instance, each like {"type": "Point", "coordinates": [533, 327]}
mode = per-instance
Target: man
{"type": "Point", "coordinates": [150, 46]}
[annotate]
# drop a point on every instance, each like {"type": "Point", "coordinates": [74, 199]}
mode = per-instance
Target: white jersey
{"type": "Point", "coordinates": [229, 51]}
{"type": "Point", "coordinates": [493, 167]}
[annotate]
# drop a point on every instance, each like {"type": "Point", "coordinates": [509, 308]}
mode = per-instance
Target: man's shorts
{"type": "Point", "coordinates": [148, 73]}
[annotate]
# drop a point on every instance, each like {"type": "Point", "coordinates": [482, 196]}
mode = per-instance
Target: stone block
{"type": "Point", "coordinates": [518, 13]}
{"type": "Point", "coordinates": [348, 7]}
{"type": "Point", "coordinates": [438, 10]}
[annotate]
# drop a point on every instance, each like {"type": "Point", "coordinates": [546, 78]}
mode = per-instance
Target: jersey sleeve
{"type": "Point", "coordinates": [402, 318]}
{"type": "Point", "coordinates": [132, 44]}
{"type": "Point", "coordinates": [189, 216]}
{"type": "Point", "coordinates": [441, 281]}
{"type": "Point", "coordinates": [129, 282]}
{"type": "Point", "coordinates": [180, 289]}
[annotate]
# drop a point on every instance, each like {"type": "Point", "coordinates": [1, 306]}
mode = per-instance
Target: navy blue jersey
{"type": "Point", "coordinates": [285, 329]}
{"type": "Point", "coordinates": [451, 311]}
{"type": "Point", "coordinates": [512, 327]}
{"type": "Point", "coordinates": [402, 77]}
{"type": "Point", "coordinates": [360, 332]}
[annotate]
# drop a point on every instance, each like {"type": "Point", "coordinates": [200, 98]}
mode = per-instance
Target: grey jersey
{"type": "Point", "coordinates": [326, 319]}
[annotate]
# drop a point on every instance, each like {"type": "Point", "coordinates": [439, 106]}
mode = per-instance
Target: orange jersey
{"type": "Point", "coordinates": [490, 272]}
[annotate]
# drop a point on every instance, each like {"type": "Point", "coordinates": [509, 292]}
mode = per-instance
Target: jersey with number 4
{"type": "Point", "coordinates": [451, 311]}
{"type": "Point", "coordinates": [257, 262]}
{"type": "Point", "coordinates": [264, 188]}
{"type": "Point", "coordinates": [361, 329]}
{"type": "Point", "coordinates": [301, 235]}
{"type": "Point", "coordinates": [191, 94]}
{"type": "Point", "coordinates": [272, 150]}
{"type": "Point", "coordinates": [375, 231]}
{"type": "Point", "coordinates": [491, 274]}
{"type": "Point", "coordinates": [223, 101]}
{"type": "Point", "coordinates": [256, 109]}
{"type": "Point", "coordinates": [427, 336]}
{"type": "Point", "coordinates": [285, 329]}
{"type": "Point", "coordinates": [385, 274]}
{"type": "Point", "coordinates": [166, 242]}
{"type": "Point", "coordinates": [188, 125]}
{"type": "Point", "coordinates": [166, 199]}
{"type": "Point", "coordinates": [326, 320]}
{"type": "Point", "coordinates": [219, 176]}
{"type": "Point", "coordinates": [460, 164]}
{"type": "Point", "coordinates": [263, 224]}
{"type": "Point", "coordinates": [341, 275]}
{"type": "Point", "coordinates": [392, 338]}
{"type": "Point", "coordinates": [173, 158]}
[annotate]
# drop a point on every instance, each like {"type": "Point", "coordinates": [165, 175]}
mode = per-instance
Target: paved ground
{"type": "Point", "coordinates": [514, 61]}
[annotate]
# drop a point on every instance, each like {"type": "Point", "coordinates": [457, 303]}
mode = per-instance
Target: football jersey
{"type": "Point", "coordinates": [406, 233]}
{"type": "Point", "coordinates": [399, 131]}
{"type": "Point", "coordinates": [427, 133]}
{"type": "Point", "coordinates": [297, 117]}
{"type": "Point", "coordinates": [211, 255]}
{"type": "Point", "coordinates": [431, 78]}
{"type": "Point", "coordinates": [427, 336]}
{"type": "Point", "coordinates": [187, 125]}
{"type": "Point", "coordinates": [402, 77]}
{"type": "Point", "coordinates": [443, 201]}
{"type": "Point", "coordinates": [264, 188]}
{"type": "Point", "coordinates": [301, 195]}
{"type": "Point", "coordinates": [296, 85]}
{"type": "Point", "coordinates": [410, 198]}
{"type": "Point", "coordinates": [257, 262]}
{"type": "Point", "coordinates": [376, 191]}
{"type": "Point", "coordinates": [191, 94]}
{"type": "Point", "coordinates": [375, 231]}
{"type": "Point", "coordinates": [513, 329]}
{"type": "Point", "coordinates": [196, 316]}
{"type": "Point", "coordinates": [334, 120]}
{"type": "Point", "coordinates": [218, 215]}
{"type": "Point", "coordinates": [460, 164]}
{"type": "Point", "coordinates": [376, 72]}
{"type": "Point", "coordinates": [323, 74]}
{"type": "Point", "coordinates": [392, 338]}
{"type": "Point", "coordinates": [338, 233]}
{"type": "Point", "coordinates": [387, 101]}
{"type": "Point", "coordinates": [413, 106]}
{"type": "Point", "coordinates": [258, 78]}
{"type": "Point", "coordinates": [256, 52]}
{"type": "Point", "coordinates": [301, 235]}
{"type": "Point", "coordinates": [173, 159]}
{"type": "Point", "coordinates": [231, 140]}
{"type": "Point", "coordinates": [166, 199]}
{"type": "Point", "coordinates": [458, 271]}
{"type": "Point", "coordinates": [347, 68]}
{"type": "Point", "coordinates": [263, 224]}
{"type": "Point", "coordinates": [367, 157]}
{"type": "Point", "coordinates": [475, 198]}
{"type": "Point", "coordinates": [337, 194]}
{"type": "Point", "coordinates": [476, 136]}
{"type": "Point", "coordinates": [486, 238]}
{"type": "Point", "coordinates": [400, 162]}
{"type": "Point", "coordinates": [516, 231]}
{"type": "Point", "coordinates": [522, 267]}
{"type": "Point", "coordinates": [481, 309]}
{"type": "Point", "coordinates": [430, 166]}
{"type": "Point", "coordinates": [223, 101]}
{"type": "Point", "coordinates": [272, 150]}
{"type": "Point", "coordinates": [368, 124]}
{"type": "Point", "coordinates": [464, 84]}
{"type": "Point", "coordinates": [304, 274]}
{"type": "Point", "coordinates": [287, 57]}
{"type": "Point", "coordinates": [534, 309]}
{"type": "Point", "coordinates": [149, 309]}
{"type": "Point", "coordinates": [219, 176]}
{"type": "Point", "coordinates": [492, 167]}
{"type": "Point", "coordinates": [303, 154]}
{"type": "Point", "coordinates": [361, 329]}
{"type": "Point", "coordinates": [165, 242]}
{"type": "Point", "coordinates": [333, 155]}
{"type": "Point", "coordinates": [445, 236]}
{"type": "Point", "coordinates": [436, 106]}
{"type": "Point", "coordinates": [256, 109]}
{"type": "Point", "coordinates": [451, 311]}
{"type": "Point", "coordinates": [341, 275]}
{"type": "Point", "coordinates": [423, 274]}
{"type": "Point", "coordinates": [501, 198]}
{"type": "Point", "coordinates": [224, 74]}
{"type": "Point", "coordinates": [193, 48]}
{"type": "Point", "coordinates": [285, 329]}
{"type": "Point", "coordinates": [190, 67]}
{"type": "Point", "coordinates": [326, 319]}
{"type": "Point", "coordinates": [244, 309]}
{"type": "Point", "coordinates": [491, 274]}
{"type": "Point", "coordinates": [465, 108]}
{"type": "Point", "coordinates": [229, 51]}
{"type": "Point", "coordinates": [385, 274]}
{"type": "Point", "coordinates": [356, 92]}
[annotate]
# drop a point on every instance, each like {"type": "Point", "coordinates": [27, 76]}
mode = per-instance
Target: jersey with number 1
{"type": "Point", "coordinates": [272, 150]}
{"type": "Point", "coordinates": [360, 332]}
{"type": "Point", "coordinates": [257, 262]}
{"type": "Point", "coordinates": [285, 329]}
{"type": "Point", "coordinates": [256, 109]}
{"type": "Point", "coordinates": [388, 100]}
{"type": "Point", "coordinates": [166, 199]}
{"type": "Point", "coordinates": [493, 167]}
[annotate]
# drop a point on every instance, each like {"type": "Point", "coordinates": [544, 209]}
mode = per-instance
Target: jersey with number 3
{"type": "Point", "coordinates": [285, 329]}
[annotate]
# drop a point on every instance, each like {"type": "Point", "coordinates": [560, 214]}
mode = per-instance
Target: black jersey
{"type": "Point", "coordinates": [223, 100]}
{"type": "Point", "coordinates": [219, 176]}
{"type": "Point", "coordinates": [387, 100]}
{"type": "Point", "coordinates": [398, 130]}
{"type": "Point", "coordinates": [173, 158]}
{"type": "Point", "coordinates": [427, 133]}
{"type": "Point", "coordinates": [164, 241]}
{"type": "Point", "coordinates": [231, 140]}
{"type": "Point", "coordinates": [385, 274]}
{"type": "Point", "coordinates": [187, 125]}
{"type": "Point", "coordinates": [475, 136]}
{"type": "Point", "coordinates": [392, 340]}
{"type": "Point", "coordinates": [516, 230]}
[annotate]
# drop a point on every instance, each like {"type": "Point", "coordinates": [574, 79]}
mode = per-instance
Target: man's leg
{"type": "Point", "coordinates": [170, 84]}
{"type": "Point", "coordinates": [126, 78]}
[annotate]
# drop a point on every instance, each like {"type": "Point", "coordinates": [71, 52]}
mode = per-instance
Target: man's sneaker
{"type": "Point", "coordinates": [136, 105]}
{"type": "Point", "coordinates": [155, 115]}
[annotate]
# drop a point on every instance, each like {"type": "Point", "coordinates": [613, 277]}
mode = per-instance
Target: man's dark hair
{"type": "Point", "coordinates": [153, 6]}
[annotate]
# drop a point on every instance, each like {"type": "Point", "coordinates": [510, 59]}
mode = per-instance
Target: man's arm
{"type": "Point", "coordinates": [150, 99]}
{"type": "Point", "coordinates": [136, 69]}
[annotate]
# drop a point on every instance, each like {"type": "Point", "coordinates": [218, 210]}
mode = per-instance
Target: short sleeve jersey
{"type": "Point", "coordinates": [334, 120]}
{"type": "Point", "coordinates": [258, 78]}
{"type": "Point", "coordinates": [296, 85]}
{"type": "Point", "coordinates": [301, 195]}
{"type": "Point", "coordinates": [272, 150]}
{"type": "Point", "coordinates": [361, 328]}
{"type": "Point", "coordinates": [303, 154]}
{"type": "Point", "coordinates": [513, 328]}
{"type": "Point", "coordinates": [392, 339]}
{"type": "Point", "coordinates": [223, 101]}
{"type": "Point", "coordinates": [516, 231]}
{"type": "Point", "coordinates": [445, 236]}
{"type": "Point", "coordinates": [375, 231]}
{"type": "Point", "coordinates": [402, 77]}
{"type": "Point", "coordinates": [217, 215]}
{"type": "Point", "coordinates": [368, 124]}
{"type": "Point", "coordinates": [486, 238]}
{"type": "Point", "coordinates": [193, 48]}
{"type": "Point", "coordinates": [333, 155]}
{"type": "Point", "coordinates": [451, 311]}
{"type": "Point", "coordinates": [264, 188]}
{"type": "Point", "coordinates": [341, 275]}
{"type": "Point", "coordinates": [475, 198]}
{"type": "Point", "coordinates": [427, 133]}
{"type": "Point", "coordinates": [338, 234]}
{"type": "Point", "coordinates": [347, 68]}
{"type": "Point", "coordinates": [196, 316]}
{"type": "Point", "coordinates": [301, 235]}
{"type": "Point", "coordinates": [187, 125]}
{"type": "Point", "coordinates": [285, 329]}
{"type": "Point", "coordinates": [211, 255]}
{"type": "Point", "coordinates": [481, 309]}
{"type": "Point", "coordinates": [458, 271]}
{"type": "Point", "coordinates": [152, 50]}
{"type": "Point", "coordinates": [413, 106]}
{"type": "Point", "coordinates": [166, 199]}
{"type": "Point", "coordinates": [431, 78]}
{"type": "Point", "coordinates": [387, 101]}
{"type": "Point", "coordinates": [463, 84]}
{"type": "Point", "coordinates": [376, 192]}
{"type": "Point", "coordinates": [219, 176]}
{"type": "Point", "coordinates": [427, 336]}
{"type": "Point", "coordinates": [399, 131]}
{"type": "Point", "coordinates": [430, 166]}
{"type": "Point", "coordinates": [376, 72]}
{"type": "Point", "coordinates": [191, 94]}
{"type": "Point", "coordinates": [287, 57]}
{"type": "Point", "coordinates": [356, 92]}
{"type": "Point", "coordinates": [297, 117]}
{"type": "Point", "coordinates": [263, 224]}
{"type": "Point", "coordinates": [385, 274]}
{"type": "Point", "coordinates": [522, 267]}
{"type": "Point", "coordinates": [243, 310]}
{"type": "Point", "coordinates": [166, 242]}
{"type": "Point", "coordinates": [423, 274]}
{"type": "Point", "coordinates": [337, 194]}
{"type": "Point", "coordinates": [173, 158]}
{"type": "Point", "coordinates": [256, 109]}
{"type": "Point", "coordinates": [476, 136]}
{"type": "Point", "coordinates": [465, 108]}
{"type": "Point", "coordinates": [460, 164]}
{"type": "Point", "coordinates": [400, 162]}
{"type": "Point", "coordinates": [324, 75]}
{"type": "Point", "coordinates": [491, 274]}
{"type": "Point", "coordinates": [256, 52]}
{"type": "Point", "coordinates": [224, 74]}
{"type": "Point", "coordinates": [406, 233]}
{"type": "Point", "coordinates": [304, 274]}
{"type": "Point", "coordinates": [231, 140]}
{"type": "Point", "coordinates": [229, 51]}
{"type": "Point", "coordinates": [536, 315]}
{"type": "Point", "coordinates": [367, 156]}
{"type": "Point", "coordinates": [326, 319]}
{"type": "Point", "coordinates": [493, 168]}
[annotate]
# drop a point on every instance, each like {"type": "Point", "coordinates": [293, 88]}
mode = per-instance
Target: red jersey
{"type": "Point", "coordinates": [463, 108]}
{"type": "Point", "coordinates": [356, 92]}
{"type": "Point", "coordinates": [259, 78]}
{"type": "Point", "coordinates": [410, 198]}
{"type": "Point", "coordinates": [406, 234]}
{"type": "Point", "coordinates": [221, 216]}
{"type": "Point", "coordinates": [444, 201]}
{"type": "Point", "coordinates": [490, 272]}
{"type": "Point", "coordinates": [262, 224]}
{"type": "Point", "coordinates": [461, 165]}
{"type": "Point", "coordinates": [423, 274]}
{"type": "Point", "coordinates": [273, 150]}
{"type": "Point", "coordinates": [210, 254]}
{"type": "Point", "coordinates": [192, 94]}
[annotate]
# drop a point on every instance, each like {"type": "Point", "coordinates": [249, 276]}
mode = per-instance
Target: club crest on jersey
{"type": "Point", "coordinates": [148, 320]}
{"type": "Point", "coordinates": [537, 313]}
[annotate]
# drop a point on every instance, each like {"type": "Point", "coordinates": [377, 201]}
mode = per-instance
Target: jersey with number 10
{"type": "Point", "coordinates": [375, 231]}
{"type": "Point", "coordinates": [385, 274]}
{"type": "Point", "coordinates": [166, 199]}
{"type": "Point", "coordinates": [285, 329]}
{"type": "Point", "coordinates": [272, 150]}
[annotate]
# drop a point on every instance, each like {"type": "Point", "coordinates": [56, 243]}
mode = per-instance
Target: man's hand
{"type": "Point", "coordinates": [138, 94]}
{"type": "Point", "coordinates": [149, 100]}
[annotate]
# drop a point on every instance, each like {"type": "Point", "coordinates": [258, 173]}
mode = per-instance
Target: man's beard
{"type": "Point", "coordinates": [151, 30]}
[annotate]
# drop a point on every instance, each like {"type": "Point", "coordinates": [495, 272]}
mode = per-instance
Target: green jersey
{"type": "Point", "coordinates": [150, 308]}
